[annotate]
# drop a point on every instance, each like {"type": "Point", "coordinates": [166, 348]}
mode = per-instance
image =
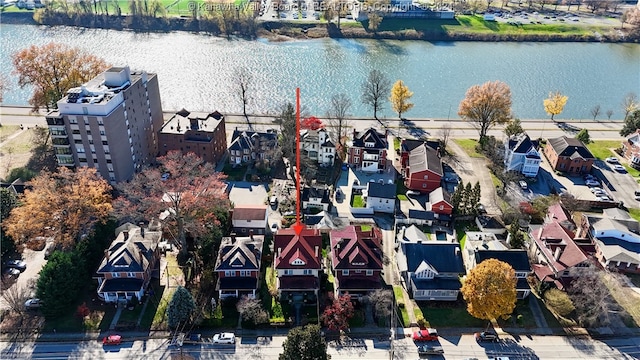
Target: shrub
{"type": "Point", "coordinates": [423, 323]}
{"type": "Point", "coordinates": [82, 311]}
{"type": "Point", "coordinates": [559, 302]}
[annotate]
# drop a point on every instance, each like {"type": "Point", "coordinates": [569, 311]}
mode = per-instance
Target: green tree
{"type": "Point", "coordinates": [583, 136]}
{"type": "Point", "coordinates": [374, 22]}
{"type": "Point", "coordinates": [631, 123]}
{"type": "Point", "coordinates": [456, 199]}
{"type": "Point", "coordinates": [60, 283]}
{"type": "Point", "coordinates": [516, 237]}
{"type": "Point", "coordinates": [490, 290]}
{"type": "Point", "coordinates": [475, 196]}
{"type": "Point", "coordinates": [8, 201]}
{"type": "Point", "coordinates": [513, 128]}
{"type": "Point", "coordinates": [400, 96]}
{"type": "Point", "coordinates": [304, 343]}
{"type": "Point", "coordinates": [485, 106]}
{"type": "Point", "coordinates": [468, 196]}
{"type": "Point", "coordinates": [180, 308]}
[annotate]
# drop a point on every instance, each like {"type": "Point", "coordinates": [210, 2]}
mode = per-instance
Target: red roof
{"type": "Point", "coordinates": [290, 247]}
{"type": "Point", "coordinates": [351, 246]}
{"type": "Point", "coordinates": [553, 238]}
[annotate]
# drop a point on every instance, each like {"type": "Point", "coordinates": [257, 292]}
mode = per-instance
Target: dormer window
{"type": "Point", "coordinates": [357, 263]}
{"type": "Point", "coordinates": [369, 144]}
{"type": "Point", "coordinates": [298, 262]}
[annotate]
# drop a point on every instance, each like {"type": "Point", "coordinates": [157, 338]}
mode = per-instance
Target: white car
{"type": "Point", "coordinates": [592, 183]}
{"type": "Point", "coordinates": [596, 190]}
{"type": "Point", "coordinates": [523, 185]}
{"type": "Point", "coordinates": [413, 192]}
{"type": "Point", "coordinates": [619, 168]}
{"type": "Point", "coordinates": [612, 160]}
{"type": "Point", "coordinates": [32, 303]}
{"type": "Point", "coordinates": [224, 338]}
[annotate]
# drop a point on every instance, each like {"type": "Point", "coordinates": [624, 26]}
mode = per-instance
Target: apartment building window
{"type": "Point", "coordinates": [102, 133]}
{"type": "Point", "coordinates": [307, 272]}
{"type": "Point", "coordinates": [73, 120]}
{"type": "Point", "coordinates": [100, 122]}
{"type": "Point", "coordinates": [357, 151]}
{"type": "Point", "coordinates": [75, 132]}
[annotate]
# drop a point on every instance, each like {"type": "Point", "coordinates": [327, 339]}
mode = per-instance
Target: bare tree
{"type": "Point", "coordinates": [15, 297]}
{"type": "Point", "coordinates": [375, 90]}
{"type": "Point", "coordinates": [337, 114]}
{"type": "Point", "coordinates": [381, 300]}
{"type": "Point", "coordinates": [595, 111]}
{"type": "Point", "coordinates": [252, 310]}
{"type": "Point", "coordinates": [629, 104]}
{"type": "Point", "coordinates": [444, 134]}
{"type": "Point", "coordinates": [594, 304]}
{"type": "Point", "coordinates": [243, 82]}
{"type": "Point", "coordinates": [609, 114]}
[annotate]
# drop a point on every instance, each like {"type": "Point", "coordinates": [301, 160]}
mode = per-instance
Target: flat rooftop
{"type": "Point", "coordinates": [182, 121]}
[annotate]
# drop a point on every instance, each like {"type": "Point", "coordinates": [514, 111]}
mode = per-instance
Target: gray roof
{"type": "Point", "coordinates": [130, 251]}
{"type": "Point", "coordinates": [570, 147]}
{"type": "Point", "coordinates": [385, 191]}
{"type": "Point", "coordinates": [370, 135]}
{"type": "Point", "coordinates": [412, 234]}
{"type": "Point", "coordinates": [443, 257]}
{"type": "Point", "coordinates": [425, 158]}
{"type": "Point", "coordinates": [438, 195]}
{"type": "Point", "coordinates": [242, 253]}
{"type": "Point", "coordinates": [522, 144]}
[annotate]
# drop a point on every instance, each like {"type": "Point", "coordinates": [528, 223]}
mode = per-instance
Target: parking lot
{"type": "Point", "coordinates": [620, 185]}
{"type": "Point", "coordinates": [553, 17]}
{"type": "Point", "coordinates": [28, 278]}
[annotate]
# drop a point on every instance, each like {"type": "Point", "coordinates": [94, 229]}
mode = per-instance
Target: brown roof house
{"type": "Point", "coordinates": [298, 264]}
{"type": "Point", "coordinates": [238, 266]}
{"type": "Point", "coordinates": [249, 218]}
{"type": "Point", "coordinates": [125, 270]}
{"type": "Point", "coordinates": [569, 155]}
{"type": "Point", "coordinates": [356, 260]}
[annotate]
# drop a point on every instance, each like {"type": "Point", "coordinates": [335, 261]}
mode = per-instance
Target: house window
{"type": "Point", "coordinates": [245, 273]}
{"type": "Point", "coordinates": [369, 272]}
{"type": "Point", "coordinates": [229, 273]}
{"type": "Point", "coordinates": [115, 275]}
{"type": "Point", "coordinates": [356, 159]}
{"type": "Point", "coordinates": [307, 272]}
{"type": "Point", "coordinates": [357, 151]}
{"type": "Point", "coordinates": [345, 272]}
{"type": "Point", "coordinates": [131, 275]}
{"type": "Point", "coordinates": [426, 177]}
{"type": "Point", "coordinates": [288, 272]}
{"type": "Point", "coordinates": [358, 271]}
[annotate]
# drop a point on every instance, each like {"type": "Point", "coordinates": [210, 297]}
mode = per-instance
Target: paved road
{"type": "Point", "coordinates": [599, 130]}
{"type": "Point", "coordinates": [268, 347]}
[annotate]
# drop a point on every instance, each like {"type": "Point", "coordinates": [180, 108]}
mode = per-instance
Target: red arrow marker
{"type": "Point", "coordinates": [297, 228]}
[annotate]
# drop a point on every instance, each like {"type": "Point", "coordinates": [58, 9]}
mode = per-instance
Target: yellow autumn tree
{"type": "Point", "coordinates": [64, 205]}
{"type": "Point", "coordinates": [555, 103]}
{"type": "Point", "coordinates": [52, 69]}
{"type": "Point", "coordinates": [399, 98]}
{"type": "Point", "coordinates": [490, 290]}
{"type": "Point", "coordinates": [486, 105]}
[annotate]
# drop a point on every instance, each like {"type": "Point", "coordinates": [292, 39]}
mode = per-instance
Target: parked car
{"type": "Point", "coordinates": [612, 160]}
{"type": "Point", "coordinates": [48, 251]}
{"type": "Point", "coordinates": [224, 338]}
{"type": "Point", "coordinates": [17, 264]}
{"type": "Point", "coordinates": [481, 209]}
{"type": "Point", "coordinates": [430, 350]}
{"type": "Point", "coordinates": [486, 336]}
{"type": "Point", "coordinates": [428, 334]}
{"type": "Point", "coordinates": [523, 185]}
{"type": "Point", "coordinates": [592, 183]}
{"type": "Point", "coordinates": [619, 168]}
{"type": "Point", "coordinates": [273, 200]}
{"type": "Point", "coordinates": [112, 340]}
{"type": "Point", "coordinates": [413, 192]}
{"type": "Point", "coordinates": [590, 177]}
{"type": "Point", "coordinates": [596, 189]}
{"type": "Point", "coordinates": [32, 304]}
{"type": "Point", "coordinates": [11, 272]}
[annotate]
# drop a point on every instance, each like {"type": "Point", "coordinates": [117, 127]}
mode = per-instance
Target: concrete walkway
{"type": "Point", "coordinates": [538, 316]}
{"type": "Point", "coordinates": [116, 317]}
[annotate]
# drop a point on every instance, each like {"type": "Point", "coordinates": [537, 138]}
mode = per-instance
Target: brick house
{"type": "Point", "coordinates": [569, 155]}
{"type": "Point", "coordinates": [356, 260]}
{"type": "Point", "coordinates": [631, 149]}
{"type": "Point", "coordinates": [368, 150]}
{"type": "Point", "coordinates": [125, 270]}
{"type": "Point", "coordinates": [423, 169]}
{"type": "Point", "coordinates": [238, 266]}
{"type": "Point", "coordinates": [297, 261]}
{"type": "Point", "coordinates": [199, 133]}
{"type": "Point", "coordinates": [249, 146]}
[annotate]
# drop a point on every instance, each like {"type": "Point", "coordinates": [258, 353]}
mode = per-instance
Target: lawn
{"type": "Point", "coordinates": [449, 315]}
{"type": "Point", "coordinates": [462, 227]}
{"type": "Point", "coordinates": [401, 191]}
{"type": "Point", "coordinates": [476, 24]}
{"type": "Point", "coordinates": [469, 146]}
{"type": "Point", "coordinates": [635, 213]}
{"type": "Point", "coordinates": [627, 298]}
{"type": "Point", "coordinates": [398, 293]}
{"type": "Point", "coordinates": [526, 320]}
{"type": "Point", "coordinates": [603, 149]}
{"type": "Point", "coordinates": [365, 227]}
{"type": "Point", "coordinates": [396, 143]}
{"type": "Point", "coordinates": [496, 182]}
{"type": "Point", "coordinates": [234, 174]}
{"type": "Point", "coordinates": [7, 130]}
{"type": "Point", "coordinates": [358, 202]}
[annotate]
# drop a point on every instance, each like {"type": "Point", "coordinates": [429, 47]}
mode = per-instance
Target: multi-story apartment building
{"type": "Point", "coordinates": [368, 150]}
{"type": "Point", "coordinates": [199, 133]}
{"type": "Point", "coordinates": [109, 123]}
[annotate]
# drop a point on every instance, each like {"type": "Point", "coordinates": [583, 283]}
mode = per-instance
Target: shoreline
{"type": "Point", "coordinates": [276, 31]}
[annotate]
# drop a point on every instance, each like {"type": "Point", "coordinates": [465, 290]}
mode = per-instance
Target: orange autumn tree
{"type": "Point", "coordinates": [183, 188]}
{"type": "Point", "coordinates": [490, 290]}
{"type": "Point", "coordinates": [52, 69]}
{"type": "Point", "coordinates": [486, 105]}
{"type": "Point", "coordinates": [64, 205]}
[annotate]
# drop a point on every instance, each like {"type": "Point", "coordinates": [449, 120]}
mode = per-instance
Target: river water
{"type": "Point", "coordinates": [196, 71]}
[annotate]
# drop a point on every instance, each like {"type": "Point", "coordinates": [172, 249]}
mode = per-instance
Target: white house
{"type": "Point", "coordinates": [316, 197]}
{"type": "Point", "coordinates": [248, 219]}
{"type": "Point", "coordinates": [381, 197]}
{"type": "Point", "coordinates": [521, 155]}
{"type": "Point", "coordinates": [318, 146]}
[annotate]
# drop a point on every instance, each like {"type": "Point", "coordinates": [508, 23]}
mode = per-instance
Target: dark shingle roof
{"type": "Point", "coordinates": [370, 135]}
{"type": "Point", "coordinates": [444, 258]}
{"type": "Point", "coordinates": [130, 253]}
{"type": "Point", "coordinates": [518, 259]}
{"type": "Point", "coordinates": [308, 193]}
{"type": "Point", "coordinates": [570, 147]}
{"type": "Point", "coordinates": [421, 214]}
{"type": "Point", "coordinates": [436, 283]}
{"type": "Point", "coordinates": [385, 191]}
{"type": "Point", "coordinates": [522, 144]}
{"type": "Point", "coordinates": [240, 254]}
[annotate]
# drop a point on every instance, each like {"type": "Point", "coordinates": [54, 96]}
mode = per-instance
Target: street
{"type": "Point", "coordinates": [269, 347]}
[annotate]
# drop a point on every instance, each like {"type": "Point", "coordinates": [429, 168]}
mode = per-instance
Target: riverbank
{"type": "Point", "coordinates": [463, 28]}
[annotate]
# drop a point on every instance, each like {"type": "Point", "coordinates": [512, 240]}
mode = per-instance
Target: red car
{"type": "Point", "coordinates": [428, 334]}
{"type": "Point", "coordinates": [111, 340]}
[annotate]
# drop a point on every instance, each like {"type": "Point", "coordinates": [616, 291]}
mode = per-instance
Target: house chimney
{"type": "Point", "coordinates": [279, 252]}
{"type": "Point", "coordinates": [141, 260]}
{"type": "Point", "coordinates": [126, 234]}
{"type": "Point", "coordinates": [233, 238]}
{"type": "Point", "coordinates": [317, 251]}
{"type": "Point", "coordinates": [141, 229]}
{"type": "Point", "coordinates": [354, 132]}
{"type": "Point", "coordinates": [251, 234]}
{"type": "Point", "coordinates": [106, 254]}
{"type": "Point", "coordinates": [556, 254]}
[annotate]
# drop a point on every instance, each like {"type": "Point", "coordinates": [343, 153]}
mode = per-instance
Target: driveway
{"type": "Point", "coordinates": [247, 193]}
{"type": "Point", "coordinates": [474, 170]}
{"type": "Point", "coordinates": [620, 185]}
{"type": "Point", "coordinates": [27, 280]}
